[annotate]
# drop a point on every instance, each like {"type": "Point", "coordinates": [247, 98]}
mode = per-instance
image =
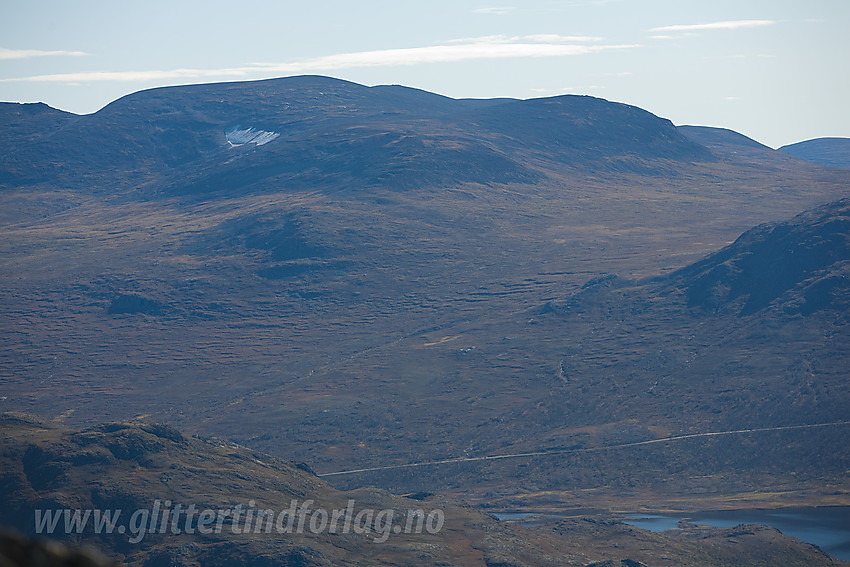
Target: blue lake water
{"type": "Point", "coordinates": [827, 527]}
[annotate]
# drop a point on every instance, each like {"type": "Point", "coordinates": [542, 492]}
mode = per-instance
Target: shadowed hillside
{"type": "Point", "coordinates": [803, 261]}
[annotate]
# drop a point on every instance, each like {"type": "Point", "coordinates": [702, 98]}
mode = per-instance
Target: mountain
{"type": "Point", "coordinates": [733, 147]}
{"type": "Point", "coordinates": [323, 132]}
{"type": "Point", "coordinates": [156, 485]}
{"type": "Point", "coordinates": [719, 137]}
{"type": "Point", "coordinates": [357, 277]}
{"type": "Point", "coordinates": [826, 151]}
{"type": "Point", "coordinates": [802, 262]}
{"type": "Point", "coordinates": [22, 123]}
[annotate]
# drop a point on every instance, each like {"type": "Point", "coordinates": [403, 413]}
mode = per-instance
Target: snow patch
{"type": "Point", "coordinates": [239, 137]}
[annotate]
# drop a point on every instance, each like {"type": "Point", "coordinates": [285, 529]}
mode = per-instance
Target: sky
{"type": "Point", "coordinates": [776, 70]}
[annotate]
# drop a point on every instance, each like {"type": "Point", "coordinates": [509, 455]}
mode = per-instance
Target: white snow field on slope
{"type": "Point", "coordinates": [237, 137]}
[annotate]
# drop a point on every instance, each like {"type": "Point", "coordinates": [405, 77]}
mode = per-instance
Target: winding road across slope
{"type": "Point", "coordinates": [585, 450]}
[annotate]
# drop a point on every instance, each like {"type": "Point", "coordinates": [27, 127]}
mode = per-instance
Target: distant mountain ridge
{"type": "Point", "coordinates": [709, 136]}
{"type": "Point", "coordinates": [331, 132]}
{"type": "Point", "coordinates": [826, 151]}
{"type": "Point", "coordinates": [730, 145]}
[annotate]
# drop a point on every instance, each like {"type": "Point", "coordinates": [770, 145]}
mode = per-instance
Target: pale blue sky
{"type": "Point", "coordinates": [773, 70]}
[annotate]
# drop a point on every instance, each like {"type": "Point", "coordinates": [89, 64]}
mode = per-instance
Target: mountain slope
{"type": "Point", "coordinates": [754, 336]}
{"type": "Point", "coordinates": [826, 151]}
{"type": "Point", "coordinates": [124, 468]}
{"type": "Point", "coordinates": [732, 146]}
{"type": "Point", "coordinates": [22, 123]}
{"type": "Point", "coordinates": [808, 256]}
{"type": "Point", "coordinates": [144, 470]}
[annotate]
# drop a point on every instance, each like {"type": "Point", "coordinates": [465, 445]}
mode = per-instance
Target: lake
{"type": "Point", "coordinates": [826, 527]}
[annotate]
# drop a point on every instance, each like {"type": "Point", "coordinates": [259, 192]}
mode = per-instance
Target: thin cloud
{"type": "Point", "coordinates": [496, 10]}
{"type": "Point", "coordinates": [534, 38]}
{"type": "Point", "coordinates": [728, 25]}
{"type": "Point", "coordinates": [443, 54]}
{"type": "Point", "coordinates": [132, 76]}
{"type": "Point", "coordinates": [471, 50]}
{"type": "Point", "coordinates": [6, 53]}
{"type": "Point", "coordinates": [555, 38]}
